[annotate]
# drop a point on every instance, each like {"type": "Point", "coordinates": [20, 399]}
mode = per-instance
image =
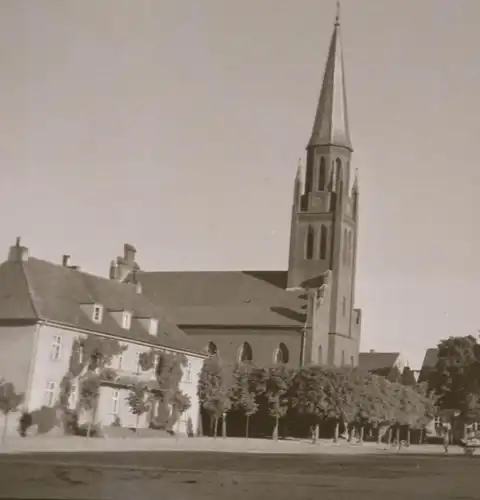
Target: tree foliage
{"type": "Point", "coordinates": [9, 402]}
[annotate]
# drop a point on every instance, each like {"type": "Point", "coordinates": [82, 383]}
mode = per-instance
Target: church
{"type": "Point", "coordinates": [302, 315]}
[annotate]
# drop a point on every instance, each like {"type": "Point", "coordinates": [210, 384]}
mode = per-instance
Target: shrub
{"type": "Point", "coordinates": [24, 423]}
{"type": "Point", "coordinates": [71, 422]}
{"type": "Point", "coordinates": [116, 422]}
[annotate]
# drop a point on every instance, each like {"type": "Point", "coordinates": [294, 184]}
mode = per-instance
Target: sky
{"type": "Point", "coordinates": [176, 126]}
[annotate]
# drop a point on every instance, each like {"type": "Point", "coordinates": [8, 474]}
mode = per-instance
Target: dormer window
{"type": "Point", "coordinates": [153, 327]}
{"type": "Point", "coordinates": [97, 313]}
{"type": "Point", "coordinates": [126, 320]}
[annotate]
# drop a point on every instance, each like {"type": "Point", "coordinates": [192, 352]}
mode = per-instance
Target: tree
{"type": "Point", "coordinates": [138, 401]}
{"type": "Point", "coordinates": [456, 376]}
{"type": "Point", "coordinates": [9, 402]}
{"type": "Point", "coordinates": [244, 393]}
{"type": "Point", "coordinates": [168, 370]}
{"type": "Point", "coordinates": [215, 390]}
{"type": "Point", "coordinates": [89, 395]}
{"type": "Point", "coordinates": [308, 396]}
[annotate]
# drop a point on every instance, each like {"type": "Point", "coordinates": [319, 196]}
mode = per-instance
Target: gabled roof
{"type": "Point", "coordinates": [431, 358]}
{"type": "Point", "coordinates": [226, 298]}
{"type": "Point", "coordinates": [374, 361]}
{"type": "Point", "coordinates": [38, 290]}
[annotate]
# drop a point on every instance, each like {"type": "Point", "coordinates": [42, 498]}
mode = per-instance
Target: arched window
{"type": "Point", "coordinates": [322, 174]}
{"type": "Point", "coordinates": [345, 245]}
{"type": "Point", "coordinates": [281, 354]}
{"type": "Point", "coordinates": [320, 355]}
{"type": "Point", "coordinates": [338, 169]}
{"type": "Point", "coordinates": [246, 353]}
{"type": "Point", "coordinates": [211, 349]}
{"type": "Point", "coordinates": [310, 242]}
{"type": "Point", "coordinates": [323, 242]}
{"type": "Point", "coordinates": [343, 358]}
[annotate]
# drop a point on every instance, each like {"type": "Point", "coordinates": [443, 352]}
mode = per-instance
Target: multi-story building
{"type": "Point", "coordinates": [45, 307]}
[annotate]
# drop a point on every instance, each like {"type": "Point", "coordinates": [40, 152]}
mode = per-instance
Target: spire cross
{"type": "Point", "coordinates": [337, 17]}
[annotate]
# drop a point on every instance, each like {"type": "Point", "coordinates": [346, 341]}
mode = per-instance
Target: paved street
{"type": "Point", "coordinates": [201, 475]}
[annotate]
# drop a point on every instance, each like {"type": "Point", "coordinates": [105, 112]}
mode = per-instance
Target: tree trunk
{"type": "Point", "coordinates": [350, 433]}
{"type": "Point", "coordinates": [336, 431]}
{"type": "Point", "coordinates": [224, 425]}
{"type": "Point", "coordinates": [247, 426]}
{"type": "Point", "coordinates": [5, 425]}
{"type": "Point", "coordinates": [420, 437]}
{"type": "Point", "coordinates": [408, 436]}
{"type": "Point", "coordinates": [212, 425]}
{"type": "Point", "coordinates": [215, 427]}
{"type": "Point", "coordinates": [379, 433]}
{"type": "Point", "coordinates": [398, 437]}
{"type": "Point", "coordinates": [362, 431]}
{"type": "Point", "coordinates": [315, 432]}
{"type": "Point", "coordinates": [275, 429]}
{"type": "Point", "coordinates": [390, 435]}
{"type": "Point", "coordinates": [137, 420]}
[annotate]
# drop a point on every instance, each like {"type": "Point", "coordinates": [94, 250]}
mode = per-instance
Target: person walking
{"type": "Point", "coordinates": [446, 436]}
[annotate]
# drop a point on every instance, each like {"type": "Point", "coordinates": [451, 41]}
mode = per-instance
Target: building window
{"type": "Point", "coordinates": [188, 372]}
{"type": "Point", "coordinates": [119, 361]}
{"type": "Point", "coordinates": [56, 348]}
{"type": "Point", "coordinates": [137, 361]}
{"type": "Point", "coordinates": [319, 355]}
{"type": "Point", "coordinates": [344, 306]}
{"type": "Point", "coordinates": [153, 327]}
{"type": "Point", "coordinates": [322, 174]}
{"type": "Point", "coordinates": [281, 356]}
{"type": "Point", "coordinates": [72, 400]}
{"type": "Point", "coordinates": [115, 402]}
{"type": "Point", "coordinates": [50, 393]}
{"type": "Point", "coordinates": [343, 358]}
{"type": "Point", "coordinates": [310, 243]}
{"type": "Point", "coordinates": [126, 320]}
{"type": "Point", "coordinates": [246, 353]}
{"type": "Point", "coordinates": [323, 242]}
{"type": "Point", "coordinates": [97, 313]}
{"type": "Point", "coordinates": [352, 360]}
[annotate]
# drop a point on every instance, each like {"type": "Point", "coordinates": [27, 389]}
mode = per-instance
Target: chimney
{"type": "Point", "coordinates": [129, 252]}
{"type": "Point", "coordinates": [372, 351]}
{"type": "Point", "coordinates": [17, 252]}
{"type": "Point", "coordinates": [65, 260]}
{"type": "Point", "coordinates": [113, 270]}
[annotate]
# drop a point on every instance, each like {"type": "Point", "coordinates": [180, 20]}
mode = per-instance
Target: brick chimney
{"type": "Point", "coordinates": [129, 252]}
{"type": "Point", "coordinates": [66, 260]}
{"type": "Point", "coordinates": [18, 252]}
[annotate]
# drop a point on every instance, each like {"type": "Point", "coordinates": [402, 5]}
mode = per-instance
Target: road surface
{"type": "Point", "coordinates": [199, 476]}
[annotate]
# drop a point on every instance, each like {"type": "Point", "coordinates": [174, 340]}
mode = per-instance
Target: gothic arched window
{"type": "Point", "coordinates": [323, 241]}
{"type": "Point", "coordinates": [246, 353]}
{"type": "Point", "coordinates": [281, 354]}
{"type": "Point", "coordinates": [322, 174]}
{"type": "Point", "coordinates": [310, 243]}
{"type": "Point", "coordinates": [338, 169]}
{"type": "Point", "coordinates": [319, 355]}
{"type": "Point", "coordinates": [345, 245]}
{"type": "Point", "coordinates": [211, 349]}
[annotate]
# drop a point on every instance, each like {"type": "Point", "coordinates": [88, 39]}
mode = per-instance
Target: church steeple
{"type": "Point", "coordinates": [330, 127]}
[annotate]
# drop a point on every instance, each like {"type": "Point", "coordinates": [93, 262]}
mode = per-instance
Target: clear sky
{"type": "Point", "coordinates": [176, 125]}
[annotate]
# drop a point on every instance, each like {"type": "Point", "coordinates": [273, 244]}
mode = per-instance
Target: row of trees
{"type": "Point", "coordinates": [314, 395]}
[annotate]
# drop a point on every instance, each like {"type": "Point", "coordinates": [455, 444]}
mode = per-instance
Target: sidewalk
{"type": "Point", "coordinates": [234, 445]}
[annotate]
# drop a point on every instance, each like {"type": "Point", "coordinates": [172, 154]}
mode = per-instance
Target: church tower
{"type": "Point", "coordinates": [325, 208]}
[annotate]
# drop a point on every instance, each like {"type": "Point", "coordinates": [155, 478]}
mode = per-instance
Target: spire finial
{"type": "Point", "coordinates": [337, 17]}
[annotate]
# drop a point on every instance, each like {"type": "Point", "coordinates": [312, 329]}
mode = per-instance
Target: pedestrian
{"type": "Point", "coordinates": [446, 436]}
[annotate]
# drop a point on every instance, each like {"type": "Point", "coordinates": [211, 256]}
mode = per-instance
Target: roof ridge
{"type": "Point", "coordinates": [30, 290]}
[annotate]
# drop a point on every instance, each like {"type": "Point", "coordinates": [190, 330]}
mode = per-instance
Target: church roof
{"type": "Point", "coordinates": [35, 289]}
{"type": "Point", "coordinates": [374, 361]}
{"type": "Point", "coordinates": [226, 298]}
{"type": "Point", "coordinates": [331, 120]}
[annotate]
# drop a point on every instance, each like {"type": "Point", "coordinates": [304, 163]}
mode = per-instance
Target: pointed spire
{"type": "Point", "coordinates": [331, 120]}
